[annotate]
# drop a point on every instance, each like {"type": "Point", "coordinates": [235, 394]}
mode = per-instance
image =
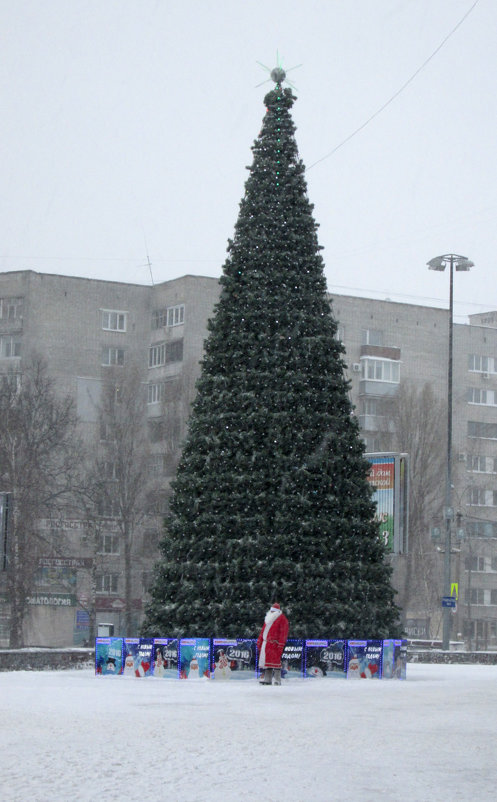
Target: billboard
{"type": "Point", "coordinates": [389, 476]}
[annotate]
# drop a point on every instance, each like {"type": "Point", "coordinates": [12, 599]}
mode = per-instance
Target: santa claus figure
{"type": "Point", "coordinates": [270, 644]}
{"type": "Point", "coordinates": [194, 672]}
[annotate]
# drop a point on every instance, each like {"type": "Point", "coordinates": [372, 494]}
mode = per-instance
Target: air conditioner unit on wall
{"type": "Point", "coordinates": [484, 375]}
{"type": "Point", "coordinates": [356, 367]}
{"type": "Point", "coordinates": [461, 457]}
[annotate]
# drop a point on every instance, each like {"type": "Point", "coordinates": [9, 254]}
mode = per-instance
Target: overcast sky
{"type": "Point", "coordinates": [126, 127]}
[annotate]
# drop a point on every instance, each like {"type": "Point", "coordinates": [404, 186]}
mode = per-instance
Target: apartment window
{"type": "Point", "coordinates": [369, 406]}
{"type": "Point", "coordinates": [107, 583]}
{"type": "Point", "coordinates": [371, 337]}
{"type": "Point", "coordinates": [164, 353]}
{"type": "Point", "coordinates": [108, 508]}
{"type": "Point", "coordinates": [340, 333]}
{"type": "Point", "coordinates": [493, 596]}
{"type": "Point", "coordinates": [10, 347]}
{"type": "Point", "coordinates": [113, 321]}
{"type": "Point", "coordinates": [477, 463]}
{"type": "Point", "coordinates": [477, 596]}
{"type": "Point", "coordinates": [474, 563]}
{"type": "Point", "coordinates": [477, 496]}
{"type": "Point", "coordinates": [156, 464]}
{"type": "Point", "coordinates": [169, 316]}
{"type": "Point", "coordinates": [481, 528]}
{"type": "Point", "coordinates": [11, 308]}
{"type": "Point", "coordinates": [109, 470]}
{"type": "Point", "coordinates": [481, 429]}
{"type": "Point", "coordinates": [108, 544]}
{"type": "Point", "coordinates": [478, 396]}
{"type": "Point", "coordinates": [176, 315]}
{"type": "Point", "coordinates": [478, 363]}
{"type": "Point", "coordinates": [155, 392]}
{"type": "Point", "coordinates": [382, 370]}
{"type": "Point", "coordinates": [112, 356]}
{"type": "Point", "coordinates": [174, 351]}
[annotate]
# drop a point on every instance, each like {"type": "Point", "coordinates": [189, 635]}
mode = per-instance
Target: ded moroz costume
{"type": "Point", "coordinates": [270, 644]}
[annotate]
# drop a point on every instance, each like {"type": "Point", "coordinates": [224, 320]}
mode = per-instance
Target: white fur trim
{"type": "Point", "coordinates": [270, 618]}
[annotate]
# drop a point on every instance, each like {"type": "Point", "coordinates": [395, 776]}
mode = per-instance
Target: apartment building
{"type": "Point", "coordinates": [84, 328]}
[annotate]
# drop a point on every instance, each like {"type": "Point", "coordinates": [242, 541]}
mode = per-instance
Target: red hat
{"type": "Point", "coordinates": [275, 606]}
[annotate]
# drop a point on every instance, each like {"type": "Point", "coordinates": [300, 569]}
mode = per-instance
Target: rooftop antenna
{"type": "Point", "coordinates": [149, 263]}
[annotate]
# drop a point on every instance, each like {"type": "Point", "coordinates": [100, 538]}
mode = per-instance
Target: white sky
{"type": "Point", "coordinates": [126, 126]}
{"type": "Point", "coordinates": [68, 735]}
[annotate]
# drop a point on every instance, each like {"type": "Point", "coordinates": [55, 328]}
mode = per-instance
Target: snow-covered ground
{"type": "Point", "coordinates": [69, 735]}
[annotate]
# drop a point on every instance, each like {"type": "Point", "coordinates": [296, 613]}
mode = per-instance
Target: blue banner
{"type": "Point", "coordinates": [233, 658]}
{"type": "Point", "coordinates": [109, 656]}
{"type": "Point", "coordinates": [364, 659]}
{"type": "Point", "coordinates": [165, 658]}
{"type": "Point", "coordinates": [325, 658]}
{"type": "Point", "coordinates": [194, 658]}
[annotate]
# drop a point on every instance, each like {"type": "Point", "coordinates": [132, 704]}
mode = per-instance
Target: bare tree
{"type": "Point", "coordinates": [418, 429]}
{"type": "Point", "coordinates": [38, 460]}
{"type": "Point", "coordinates": [117, 486]}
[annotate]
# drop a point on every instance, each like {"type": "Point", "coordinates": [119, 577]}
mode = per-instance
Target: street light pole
{"type": "Point", "coordinates": [440, 263]}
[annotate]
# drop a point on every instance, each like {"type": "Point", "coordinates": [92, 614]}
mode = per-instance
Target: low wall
{"type": "Point", "coordinates": [439, 656]}
{"type": "Point", "coordinates": [33, 659]}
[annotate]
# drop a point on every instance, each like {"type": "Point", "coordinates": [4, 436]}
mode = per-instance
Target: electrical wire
{"type": "Point", "coordinates": [398, 92]}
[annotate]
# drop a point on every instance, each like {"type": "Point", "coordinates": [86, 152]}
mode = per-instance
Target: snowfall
{"type": "Point", "coordinates": [71, 735]}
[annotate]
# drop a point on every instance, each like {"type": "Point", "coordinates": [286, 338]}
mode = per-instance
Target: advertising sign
{"type": "Point", "coordinates": [292, 659]}
{"type": "Point", "coordinates": [394, 659]}
{"type": "Point", "coordinates": [325, 658]}
{"type": "Point", "coordinates": [109, 656]}
{"type": "Point", "coordinates": [233, 658]}
{"type": "Point", "coordinates": [364, 659]}
{"type": "Point", "coordinates": [194, 658]}
{"type": "Point", "coordinates": [137, 657]}
{"type": "Point", "coordinates": [165, 658]}
{"type": "Point", "coordinates": [389, 477]}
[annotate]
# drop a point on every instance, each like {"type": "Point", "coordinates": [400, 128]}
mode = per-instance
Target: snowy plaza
{"type": "Point", "coordinates": [73, 735]}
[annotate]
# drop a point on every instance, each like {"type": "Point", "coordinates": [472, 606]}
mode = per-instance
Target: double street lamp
{"type": "Point", "coordinates": [460, 263]}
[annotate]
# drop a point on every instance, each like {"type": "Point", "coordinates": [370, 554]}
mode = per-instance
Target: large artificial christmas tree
{"type": "Point", "coordinates": [271, 501]}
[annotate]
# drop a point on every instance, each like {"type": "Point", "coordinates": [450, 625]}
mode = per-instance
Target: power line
{"type": "Point", "coordinates": [399, 91]}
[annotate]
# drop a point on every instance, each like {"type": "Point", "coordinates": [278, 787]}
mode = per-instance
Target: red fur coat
{"type": "Point", "coordinates": [272, 639]}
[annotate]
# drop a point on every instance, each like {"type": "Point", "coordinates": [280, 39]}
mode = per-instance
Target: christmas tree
{"type": "Point", "coordinates": [271, 500]}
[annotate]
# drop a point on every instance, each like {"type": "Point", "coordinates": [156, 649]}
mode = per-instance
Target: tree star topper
{"type": "Point", "coordinates": [278, 74]}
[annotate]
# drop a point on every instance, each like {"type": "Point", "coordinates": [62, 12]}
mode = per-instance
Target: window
{"type": "Point", "coordinates": [11, 308]}
{"type": "Point", "coordinates": [478, 463]}
{"type": "Point", "coordinates": [156, 464]}
{"type": "Point", "coordinates": [107, 583]}
{"type": "Point", "coordinates": [371, 337]}
{"type": "Point", "coordinates": [480, 364]}
{"type": "Point", "coordinates": [113, 321]}
{"type": "Point", "coordinates": [165, 353]}
{"type": "Point", "coordinates": [10, 347]}
{"type": "Point", "coordinates": [169, 316]}
{"type": "Point", "coordinates": [474, 563]}
{"type": "Point", "coordinates": [477, 596]}
{"type": "Point", "coordinates": [493, 596]}
{"type": "Point", "coordinates": [176, 315]}
{"type": "Point", "coordinates": [481, 528]}
{"type": "Point", "coordinates": [108, 508]}
{"type": "Point", "coordinates": [112, 356]}
{"type": "Point", "coordinates": [174, 351]}
{"type": "Point", "coordinates": [383, 370]}
{"type": "Point", "coordinates": [155, 392]}
{"type": "Point", "coordinates": [477, 496]}
{"type": "Point", "coordinates": [481, 429]}
{"type": "Point", "coordinates": [108, 544]}
{"type": "Point", "coordinates": [109, 469]}
{"type": "Point", "coordinates": [476, 395]}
